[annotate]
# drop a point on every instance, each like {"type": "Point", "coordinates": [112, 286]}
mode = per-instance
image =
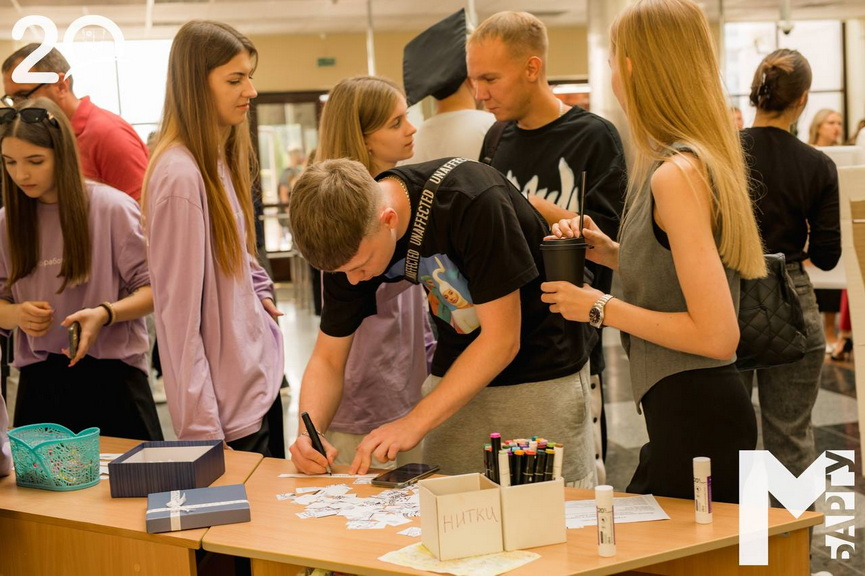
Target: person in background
{"type": "Point", "coordinates": [434, 64]}
{"type": "Point", "coordinates": [795, 191]}
{"type": "Point", "coordinates": [544, 146]}
{"type": "Point", "coordinates": [71, 251]}
{"type": "Point", "coordinates": [219, 341]}
{"type": "Point", "coordinates": [111, 151]}
{"type": "Point", "coordinates": [687, 238]}
{"type": "Point", "coordinates": [738, 121]}
{"type": "Point", "coordinates": [826, 130]}
{"type": "Point", "coordinates": [365, 120]}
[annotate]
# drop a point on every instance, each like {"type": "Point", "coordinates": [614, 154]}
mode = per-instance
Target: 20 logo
{"type": "Point", "coordinates": [24, 73]}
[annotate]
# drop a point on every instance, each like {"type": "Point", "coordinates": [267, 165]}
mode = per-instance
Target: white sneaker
{"type": "Point", "coordinates": [158, 391]}
{"type": "Point", "coordinates": [821, 573]}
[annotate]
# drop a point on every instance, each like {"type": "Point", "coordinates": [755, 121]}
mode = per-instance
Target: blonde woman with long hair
{"type": "Point", "coordinates": [220, 345]}
{"type": "Point", "coordinates": [687, 238]}
{"type": "Point", "coordinates": [365, 120]}
{"type": "Point", "coordinates": [827, 128]}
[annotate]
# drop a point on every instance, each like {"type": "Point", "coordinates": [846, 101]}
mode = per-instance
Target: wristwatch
{"type": "Point", "coordinates": [596, 312]}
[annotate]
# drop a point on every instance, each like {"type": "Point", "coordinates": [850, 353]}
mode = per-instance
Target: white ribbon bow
{"type": "Point", "coordinates": [176, 505]}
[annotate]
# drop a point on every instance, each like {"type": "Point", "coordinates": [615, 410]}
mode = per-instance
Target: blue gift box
{"type": "Point", "coordinates": [166, 465]}
{"type": "Point", "coordinates": [196, 508]}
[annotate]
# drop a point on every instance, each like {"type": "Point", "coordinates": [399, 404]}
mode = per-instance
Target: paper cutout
{"type": "Point", "coordinates": [387, 508]}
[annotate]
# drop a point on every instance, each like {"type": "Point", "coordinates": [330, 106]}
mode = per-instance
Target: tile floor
{"type": "Point", "coordinates": [834, 417]}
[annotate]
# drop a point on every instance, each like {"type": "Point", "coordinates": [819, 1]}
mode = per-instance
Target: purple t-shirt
{"type": "Point", "coordinates": [388, 362]}
{"type": "Point", "coordinates": [117, 268]}
{"type": "Point", "coordinates": [221, 352]}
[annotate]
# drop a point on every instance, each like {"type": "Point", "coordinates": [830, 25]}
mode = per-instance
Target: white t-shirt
{"type": "Point", "coordinates": [460, 133]}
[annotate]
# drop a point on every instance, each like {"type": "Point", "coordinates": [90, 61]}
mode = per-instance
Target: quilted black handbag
{"type": "Point", "coordinates": [771, 322]}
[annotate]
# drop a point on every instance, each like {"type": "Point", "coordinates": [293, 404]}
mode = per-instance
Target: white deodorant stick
{"type": "Point", "coordinates": [606, 523]}
{"type": "Point", "coordinates": [703, 490]}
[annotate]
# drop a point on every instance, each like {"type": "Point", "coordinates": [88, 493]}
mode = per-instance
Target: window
{"type": "Point", "coordinates": [820, 41]}
{"type": "Point", "coordinates": [132, 85]}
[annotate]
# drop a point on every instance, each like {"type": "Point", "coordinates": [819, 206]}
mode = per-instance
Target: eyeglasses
{"type": "Point", "coordinates": [27, 115]}
{"type": "Point", "coordinates": [20, 96]}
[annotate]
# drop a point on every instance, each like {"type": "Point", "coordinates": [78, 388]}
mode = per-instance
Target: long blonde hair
{"type": "Point", "coordinates": [674, 96]}
{"type": "Point", "coordinates": [189, 118]}
{"type": "Point", "coordinates": [356, 107]}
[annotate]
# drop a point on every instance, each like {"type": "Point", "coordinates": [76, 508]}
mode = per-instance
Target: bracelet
{"type": "Point", "coordinates": [111, 316]}
{"type": "Point", "coordinates": [305, 433]}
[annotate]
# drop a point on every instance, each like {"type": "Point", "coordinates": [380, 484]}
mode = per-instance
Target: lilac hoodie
{"type": "Point", "coordinates": [221, 352]}
{"type": "Point", "coordinates": [117, 268]}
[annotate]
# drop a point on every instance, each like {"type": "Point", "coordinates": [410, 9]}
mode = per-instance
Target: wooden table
{"type": "Point", "coordinates": [87, 533]}
{"type": "Point", "coordinates": [279, 542]}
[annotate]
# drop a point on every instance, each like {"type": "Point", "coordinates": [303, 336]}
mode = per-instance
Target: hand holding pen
{"type": "Point", "coordinates": [311, 458]}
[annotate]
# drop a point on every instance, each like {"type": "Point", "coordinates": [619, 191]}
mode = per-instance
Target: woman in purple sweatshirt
{"type": "Point", "coordinates": [219, 342]}
{"type": "Point", "coordinates": [71, 252]}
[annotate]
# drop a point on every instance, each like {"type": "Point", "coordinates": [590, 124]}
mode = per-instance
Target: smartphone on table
{"type": "Point", "coordinates": [74, 338]}
{"type": "Point", "coordinates": [405, 475]}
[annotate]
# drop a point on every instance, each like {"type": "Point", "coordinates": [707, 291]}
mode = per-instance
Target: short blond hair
{"type": "Point", "coordinates": [333, 206]}
{"type": "Point", "coordinates": [524, 34]}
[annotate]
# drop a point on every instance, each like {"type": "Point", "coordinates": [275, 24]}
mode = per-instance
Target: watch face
{"type": "Point", "coordinates": [594, 315]}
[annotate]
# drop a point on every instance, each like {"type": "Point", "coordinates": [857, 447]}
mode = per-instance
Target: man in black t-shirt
{"type": "Point", "coordinates": [539, 143]}
{"type": "Point", "coordinates": [504, 362]}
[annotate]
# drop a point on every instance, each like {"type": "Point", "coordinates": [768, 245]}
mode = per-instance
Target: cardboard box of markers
{"type": "Point", "coordinates": [469, 515]}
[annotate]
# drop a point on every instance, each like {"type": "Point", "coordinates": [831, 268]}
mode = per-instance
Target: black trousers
{"type": "Point", "coordinates": [695, 413]}
{"type": "Point", "coordinates": [108, 394]}
{"type": "Point", "coordinates": [269, 441]}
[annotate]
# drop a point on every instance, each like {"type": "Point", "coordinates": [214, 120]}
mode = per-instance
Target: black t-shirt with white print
{"type": "Point", "coordinates": [482, 242]}
{"type": "Point", "coordinates": [549, 161]}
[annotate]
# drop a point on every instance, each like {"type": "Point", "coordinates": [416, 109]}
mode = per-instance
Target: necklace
{"type": "Point", "coordinates": [562, 108]}
{"type": "Point", "coordinates": [401, 185]}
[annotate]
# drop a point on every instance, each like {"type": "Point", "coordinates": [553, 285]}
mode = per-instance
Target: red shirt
{"type": "Point", "coordinates": [111, 151]}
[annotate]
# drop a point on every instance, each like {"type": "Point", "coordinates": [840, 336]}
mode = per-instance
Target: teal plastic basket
{"type": "Point", "coordinates": [52, 457]}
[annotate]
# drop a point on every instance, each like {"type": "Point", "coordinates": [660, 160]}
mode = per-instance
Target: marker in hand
{"type": "Point", "coordinates": [313, 436]}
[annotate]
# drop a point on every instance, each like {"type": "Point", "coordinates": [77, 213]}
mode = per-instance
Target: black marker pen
{"type": "Point", "coordinates": [316, 441]}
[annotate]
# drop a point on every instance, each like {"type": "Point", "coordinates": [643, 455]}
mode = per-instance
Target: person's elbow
{"type": "Point", "coordinates": [722, 344]}
{"type": "Point", "coordinates": [825, 260]}
{"type": "Point", "coordinates": [510, 347]}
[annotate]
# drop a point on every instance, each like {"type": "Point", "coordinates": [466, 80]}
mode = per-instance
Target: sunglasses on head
{"type": "Point", "coordinates": [27, 115]}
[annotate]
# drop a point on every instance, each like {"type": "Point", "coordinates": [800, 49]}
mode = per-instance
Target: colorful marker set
{"type": "Point", "coordinates": [522, 461]}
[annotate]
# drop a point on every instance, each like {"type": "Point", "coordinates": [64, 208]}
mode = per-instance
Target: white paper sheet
{"type": "Point", "coordinates": [644, 508]}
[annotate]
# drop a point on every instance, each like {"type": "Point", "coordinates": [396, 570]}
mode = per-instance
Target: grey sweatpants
{"type": "Point", "coordinates": [557, 410]}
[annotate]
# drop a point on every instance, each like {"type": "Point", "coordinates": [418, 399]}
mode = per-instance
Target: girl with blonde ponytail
{"type": "Point", "coordinates": [687, 238]}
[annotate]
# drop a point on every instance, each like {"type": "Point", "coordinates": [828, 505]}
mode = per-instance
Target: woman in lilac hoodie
{"type": "Point", "coordinates": [219, 342]}
{"type": "Point", "coordinates": [71, 252]}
